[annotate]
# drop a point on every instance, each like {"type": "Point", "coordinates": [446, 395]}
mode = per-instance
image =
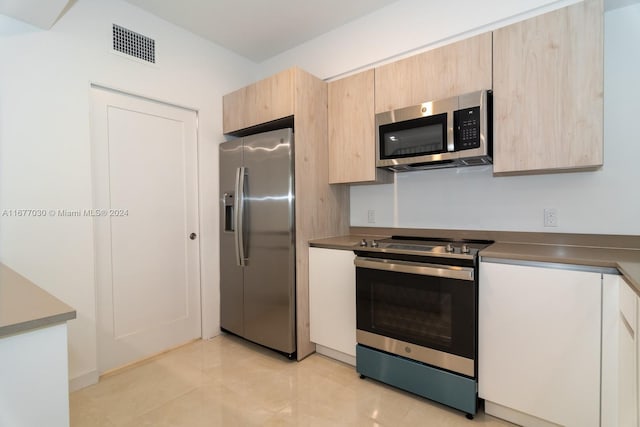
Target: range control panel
{"type": "Point", "coordinates": [466, 124]}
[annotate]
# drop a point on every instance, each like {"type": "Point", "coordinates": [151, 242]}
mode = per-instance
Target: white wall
{"type": "Point", "coordinates": [45, 159]}
{"type": "Point", "coordinates": [401, 28]}
{"type": "Point", "coordinates": [604, 201]}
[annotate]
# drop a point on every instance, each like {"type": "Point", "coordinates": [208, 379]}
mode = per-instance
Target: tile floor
{"type": "Point", "coordinates": [227, 381]}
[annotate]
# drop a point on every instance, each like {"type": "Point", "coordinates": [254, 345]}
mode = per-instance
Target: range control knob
{"type": "Point", "coordinates": [465, 249]}
{"type": "Point", "coordinates": [363, 243]}
{"type": "Point", "coordinates": [374, 244]}
{"type": "Point", "coordinates": [449, 247]}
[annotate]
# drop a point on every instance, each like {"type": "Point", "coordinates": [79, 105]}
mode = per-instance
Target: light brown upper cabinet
{"type": "Point", "coordinates": [451, 70]}
{"type": "Point", "coordinates": [351, 125]}
{"type": "Point", "coordinates": [261, 102]}
{"type": "Point", "coordinates": [548, 91]}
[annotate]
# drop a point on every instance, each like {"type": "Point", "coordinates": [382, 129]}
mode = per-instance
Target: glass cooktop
{"type": "Point", "coordinates": [426, 246]}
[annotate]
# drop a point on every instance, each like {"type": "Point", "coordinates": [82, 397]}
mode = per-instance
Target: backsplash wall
{"type": "Point", "coordinates": [606, 201]}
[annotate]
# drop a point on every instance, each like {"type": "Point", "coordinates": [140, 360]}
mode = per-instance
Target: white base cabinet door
{"type": "Point", "coordinates": [332, 300]}
{"type": "Point", "coordinates": [539, 342]}
{"type": "Point", "coordinates": [620, 349]}
{"type": "Point", "coordinates": [34, 378]}
{"type": "Point", "coordinates": [627, 357]}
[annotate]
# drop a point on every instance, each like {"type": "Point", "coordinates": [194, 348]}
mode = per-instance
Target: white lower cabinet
{"type": "Point", "coordinates": [332, 302]}
{"type": "Point", "coordinates": [34, 378]}
{"type": "Point", "coordinates": [620, 350]}
{"type": "Point", "coordinates": [628, 357]}
{"type": "Point", "coordinates": [539, 344]}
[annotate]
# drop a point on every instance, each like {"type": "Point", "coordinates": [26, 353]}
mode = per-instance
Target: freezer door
{"type": "Point", "coordinates": [231, 274]}
{"type": "Point", "coordinates": [269, 275]}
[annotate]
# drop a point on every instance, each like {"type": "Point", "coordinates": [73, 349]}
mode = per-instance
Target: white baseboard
{"type": "Point", "coordinates": [83, 380]}
{"type": "Point", "coordinates": [335, 354]}
{"type": "Point", "coordinates": [514, 416]}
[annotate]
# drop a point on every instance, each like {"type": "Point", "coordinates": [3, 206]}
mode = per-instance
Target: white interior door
{"type": "Point", "coordinates": [145, 186]}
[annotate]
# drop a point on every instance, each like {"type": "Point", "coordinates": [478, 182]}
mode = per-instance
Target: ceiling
{"type": "Point", "coordinates": [259, 29]}
{"type": "Point", "coordinates": [255, 29]}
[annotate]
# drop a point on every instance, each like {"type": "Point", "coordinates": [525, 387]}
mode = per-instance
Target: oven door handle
{"type": "Point", "coordinates": [423, 269]}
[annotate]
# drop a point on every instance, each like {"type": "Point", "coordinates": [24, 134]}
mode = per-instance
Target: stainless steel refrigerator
{"type": "Point", "coordinates": [257, 239]}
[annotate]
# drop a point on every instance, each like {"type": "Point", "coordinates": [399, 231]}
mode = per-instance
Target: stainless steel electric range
{"type": "Point", "coordinates": [417, 316]}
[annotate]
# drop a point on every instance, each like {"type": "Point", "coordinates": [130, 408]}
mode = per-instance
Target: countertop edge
{"type": "Point", "coordinates": [32, 325]}
{"type": "Point", "coordinates": [25, 307]}
{"type": "Point", "coordinates": [331, 246]}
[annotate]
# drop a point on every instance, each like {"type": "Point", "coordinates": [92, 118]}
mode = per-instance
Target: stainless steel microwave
{"type": "Point", "coordinates": [450, 132]}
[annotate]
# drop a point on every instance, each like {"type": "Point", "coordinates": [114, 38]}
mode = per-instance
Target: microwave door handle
{"type": "Point", "coordinates": [239, 219]}
{"type": "Point", "coordinates": [451, 145]}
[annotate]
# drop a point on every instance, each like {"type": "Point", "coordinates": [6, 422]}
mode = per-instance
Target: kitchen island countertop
{"type": "Point", "coordinates": [25, 306]}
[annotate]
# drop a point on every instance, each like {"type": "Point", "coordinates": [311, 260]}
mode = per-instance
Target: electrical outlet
{"type": "Point", "coordinates": [551, 217]}
{"type": "Point", "coordinates": [371, 216]}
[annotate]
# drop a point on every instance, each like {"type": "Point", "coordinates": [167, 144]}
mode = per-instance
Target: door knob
{"type": "Point", "coordinates": [193, 236]}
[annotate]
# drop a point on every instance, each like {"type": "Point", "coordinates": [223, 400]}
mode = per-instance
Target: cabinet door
{"type": "Point", "coordinates": [548, 91]}
{"type": "Point", "coordinates": [627, 357]}
{"type": "Point", "coordinates": [352, 150]}
{"type": "Point", "coordinates": [451, 70]}
{"type": "Point", "coordinates": [275, 97]}
{"type": "Point", "coordinates": [611, 322]}
{"type": "Point", "coordinates": [332, 299]}
{"type": "Point", "coordinates": [235, 115]}
{"type": "Point", "coordinates": [539, 342]}
{"type": "Point", "coordinates": [269, 99]}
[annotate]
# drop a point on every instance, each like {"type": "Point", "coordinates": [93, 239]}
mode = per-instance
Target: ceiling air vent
{"type": "Point", "coordinates": [134, 44]}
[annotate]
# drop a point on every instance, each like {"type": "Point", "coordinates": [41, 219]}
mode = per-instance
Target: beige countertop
{"type": "Point", "coordinates": [626, 261]}
{"type": "Point", "coordinates": [24, 306]}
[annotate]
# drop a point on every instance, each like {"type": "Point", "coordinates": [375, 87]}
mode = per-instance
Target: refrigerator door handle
{"type": "Point", "coordinates": [239, 232]}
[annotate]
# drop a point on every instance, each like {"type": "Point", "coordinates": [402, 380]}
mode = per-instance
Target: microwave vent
{"type": "Point", "coordinates": [134, 44]}
{"type": "Point", "coordinates": [475, 161]}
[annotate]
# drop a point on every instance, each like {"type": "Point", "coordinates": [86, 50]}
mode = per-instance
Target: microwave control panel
{"type": "Point", "coordinates": [466, 123]}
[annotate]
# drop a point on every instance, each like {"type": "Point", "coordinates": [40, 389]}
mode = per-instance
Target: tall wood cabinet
{"type": "Point", "coordinates": [451, 70]}
{"type": "Point", "coordinates": [352, 150]}
{"type": "Point", "coordinates": [548, 91]}
{"type": "Point", "coordinates": [321, 210]}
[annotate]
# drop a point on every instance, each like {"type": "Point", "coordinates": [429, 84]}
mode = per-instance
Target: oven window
{"type": "Point", "coordinates": [411, 312]}
{"type": "Point", "coordinates": [434, 312]}
{"type": "Point", "coordinates": [412, 138]}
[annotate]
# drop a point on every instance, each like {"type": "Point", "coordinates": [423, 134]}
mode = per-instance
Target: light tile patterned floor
{"type": "Point", "coordinates": [227, 381]}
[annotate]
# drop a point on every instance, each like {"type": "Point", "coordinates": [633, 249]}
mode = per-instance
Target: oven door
{"type": "Point", "coordinates": [425, 312]}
